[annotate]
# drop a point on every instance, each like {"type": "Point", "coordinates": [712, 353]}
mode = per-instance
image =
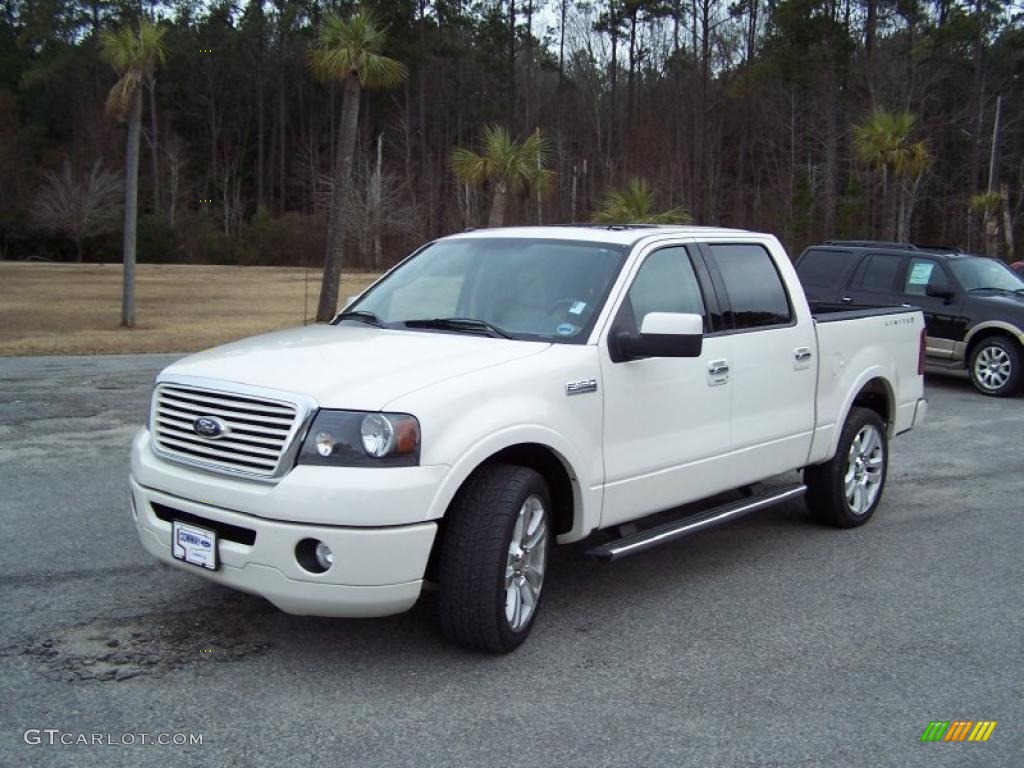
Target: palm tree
{"type": "Point", "coordinates": [882, 143]}
{"type": "Point", "coordinates": [134, 54]}
{"type": "Point", "coordinates": [347, 49]}
{"type": "Point", "coordinates": [634, 204]}
{"type": "Point", "coordinates": [508, 164]}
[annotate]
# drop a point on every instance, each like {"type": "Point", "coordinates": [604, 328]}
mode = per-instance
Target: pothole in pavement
{"type": "Point", "coordinates": [120, 649]}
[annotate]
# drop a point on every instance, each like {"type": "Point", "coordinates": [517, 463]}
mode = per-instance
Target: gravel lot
{"type": "Point", "coordinates": [768, 642]}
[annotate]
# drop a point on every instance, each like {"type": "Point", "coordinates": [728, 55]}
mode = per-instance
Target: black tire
{"type": "Point", "coordinates": [477, 558]}
{"type": "Point", "coordinates": [995, 366]}
{"type": "Point", "coordinates": [828, 483]}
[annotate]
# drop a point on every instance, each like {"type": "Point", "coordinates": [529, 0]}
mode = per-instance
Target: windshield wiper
{"type": "Point", "coordinates": [362, 316]}
{"type": "Point", "coordinates": [995, 288]}
{"type": "Point", "coordinates": [459, 325]}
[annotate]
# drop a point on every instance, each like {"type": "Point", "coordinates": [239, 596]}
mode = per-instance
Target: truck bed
{"type": "Point", "coordinates": [830, 311]}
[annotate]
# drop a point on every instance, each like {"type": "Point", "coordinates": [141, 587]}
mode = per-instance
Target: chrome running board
{"type": "Point", "coordinates": [676, 529]}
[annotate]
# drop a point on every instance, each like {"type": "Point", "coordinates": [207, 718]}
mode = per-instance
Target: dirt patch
{"type": "Point", "coordinates": [151, 645]}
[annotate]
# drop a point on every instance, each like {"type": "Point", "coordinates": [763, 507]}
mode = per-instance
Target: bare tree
{"type": "Point", "coordinates": [78, 208]}
{"type": "Point", "coordinates": [174, 151]}
{"type": "Point", "coordinates": [375, 207]}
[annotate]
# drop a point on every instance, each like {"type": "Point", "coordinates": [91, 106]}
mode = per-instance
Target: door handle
{"type": "Point", "coordinates": [847, 299]}
{"type": "Point", "coordinates": [802, 354]}
{"type": "Point", "coordinates": [718, 372]}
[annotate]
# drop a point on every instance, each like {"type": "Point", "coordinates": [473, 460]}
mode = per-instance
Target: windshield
{"type": "Point", "coordinates": [978, 273]}
{"type": "Point", "coordinates": [527, 289]}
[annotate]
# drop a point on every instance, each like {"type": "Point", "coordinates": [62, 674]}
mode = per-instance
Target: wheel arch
{"type": "Point", "coordinates": [574, 512]}
{"type": "Point", "coordinates": [987, 330]}
{"type": "Point", "coordinates": [874, 392]}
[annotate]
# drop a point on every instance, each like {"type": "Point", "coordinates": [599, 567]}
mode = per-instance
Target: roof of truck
{"type": "Point", "coordinates": [621, 234]}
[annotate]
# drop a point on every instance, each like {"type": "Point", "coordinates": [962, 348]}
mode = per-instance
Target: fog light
{"type": "Point", "coordinates": [324, 445]}
{"type": "Point", "coordinates": [324, 556]}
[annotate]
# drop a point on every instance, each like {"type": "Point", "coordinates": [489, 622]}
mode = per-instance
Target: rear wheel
{"type": "Point", "coordinates": [845, 491]}
{"type": "Point", "coordinates": [493, 558]}
{"type": "Point", "coordinates": [995, 366]}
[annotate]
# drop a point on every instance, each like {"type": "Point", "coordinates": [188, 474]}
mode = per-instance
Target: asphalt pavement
{"type": "Point", "coordinates": [767, 642]}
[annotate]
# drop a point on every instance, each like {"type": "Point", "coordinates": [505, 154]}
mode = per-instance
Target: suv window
{"type": "Point", "coordinates": [666, 282]}
{"type": "Point", "coordinates": [877, 273]}
{"type": "Point", "coordinates": [923, 273]}
{"type": "Point", "coordinates": [753, 285]}
{"type": "Point", "coordinates": [820, 267]}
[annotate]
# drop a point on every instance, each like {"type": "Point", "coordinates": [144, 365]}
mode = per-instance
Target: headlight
{"type": "Point", "coordinates": [360, 439]}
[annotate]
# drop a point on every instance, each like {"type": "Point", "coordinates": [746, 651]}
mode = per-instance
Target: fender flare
{"type": "Point", "coordinates": [875, 372]}
{"type": "Point", "coordinates": [992, 325]}
{"type": "Point", "coordinates": [586, 500]}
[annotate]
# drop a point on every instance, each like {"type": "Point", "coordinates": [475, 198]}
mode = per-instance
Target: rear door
{"type": "Point", "coordinates": [876, 280]}
{"type": "Point", "coordinates": [824, 272]}
{"type": "Point", "coordinates": [773, 373]}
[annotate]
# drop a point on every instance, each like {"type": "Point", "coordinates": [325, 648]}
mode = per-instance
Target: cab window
{"type": "Point", "coordinates": [923, 273]}
{"type": "Point", "coordinates": [666, 282]}
{"type": "Point", "coordinates": [756, 293]}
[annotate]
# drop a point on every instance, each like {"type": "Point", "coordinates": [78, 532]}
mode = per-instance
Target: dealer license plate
{"type": "Point", "coordinates": [192, 544]}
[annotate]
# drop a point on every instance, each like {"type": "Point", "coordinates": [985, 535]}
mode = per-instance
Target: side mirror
{"type": "Point", "coordinates": [938, 292]}
{"type": "Point", "coordinates": [662, 334]}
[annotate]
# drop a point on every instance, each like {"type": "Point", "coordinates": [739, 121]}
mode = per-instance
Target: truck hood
{"type": "Point", "coordinates": [352, 367]}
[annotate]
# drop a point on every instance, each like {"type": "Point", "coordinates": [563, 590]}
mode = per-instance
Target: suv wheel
{"type": "Point", "coordinates": [995, 366]}
{"type": "Point", "coordinates": [493, 558]}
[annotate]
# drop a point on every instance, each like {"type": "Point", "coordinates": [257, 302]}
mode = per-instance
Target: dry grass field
{"type": "Point", "coordinates": [75, 309]}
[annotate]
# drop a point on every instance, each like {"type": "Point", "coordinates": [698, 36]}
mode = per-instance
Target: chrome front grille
{"type": "Point", "coordinates": [255, 432]}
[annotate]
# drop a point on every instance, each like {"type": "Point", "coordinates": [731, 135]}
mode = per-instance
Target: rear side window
{"type": "Point", "coordinates": [823, 268]}
{"type": "Point", "coordinates": [878, 273]}
{"type": "Point", "coordinates": [752, 282]}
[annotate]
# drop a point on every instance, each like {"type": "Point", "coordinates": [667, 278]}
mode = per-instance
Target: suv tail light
{"type": "Point", "coordinates": [920, 354]}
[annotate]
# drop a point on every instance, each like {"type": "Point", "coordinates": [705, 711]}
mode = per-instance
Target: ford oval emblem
{"type": "Point", "coordinates": [208, 426]}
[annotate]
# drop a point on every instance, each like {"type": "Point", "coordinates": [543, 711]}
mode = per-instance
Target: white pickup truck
{"type": "Point", "coordinates": [502, 390]}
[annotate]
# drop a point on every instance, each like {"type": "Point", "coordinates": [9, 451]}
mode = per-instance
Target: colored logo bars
{"type": "Point", "coordinates": [958, 730]}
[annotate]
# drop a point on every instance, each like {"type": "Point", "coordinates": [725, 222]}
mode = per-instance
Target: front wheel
{"type": "Point", "coordinates": [995, 367]}
{"type": "Point", "coordinates": [845, 491]}
{"type": "Point", "coordinates": [493, 558]}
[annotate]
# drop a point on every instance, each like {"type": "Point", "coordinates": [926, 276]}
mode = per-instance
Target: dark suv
{"type": "Point", "coordinates": [973, 306]}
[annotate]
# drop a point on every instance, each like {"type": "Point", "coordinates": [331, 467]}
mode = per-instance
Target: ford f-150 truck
{"type": "Point", "coordinates": [500, 391]}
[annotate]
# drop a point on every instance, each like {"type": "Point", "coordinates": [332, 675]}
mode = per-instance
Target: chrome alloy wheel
{"type": "Point", "coordinates": [524, 569]}
{"type": "Point", "coordinates": [864, 470]}
{"type": "Point", "coordinates": [992, 367]}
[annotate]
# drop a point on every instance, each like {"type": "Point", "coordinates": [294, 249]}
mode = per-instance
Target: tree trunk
{"type": "Point", "coordinates": [260, 196]}
{"type": "Point", "coordinates": [131, 212]}
{"type": "Point", "coordinates": [991, 228]}
{"type": "Point", "coordinates": [1004, 193]}
{"type": "Point", "coordinates": [334, 258]}
{"type": "Point", "coordinates": [498, 205]}
{"type": "Point", "coordinates": [154, 147]}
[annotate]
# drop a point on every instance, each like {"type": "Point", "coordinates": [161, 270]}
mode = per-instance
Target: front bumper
{"type": "Point", "coordinates": [350, 496]}
{"type": "Point", "coordinates": [376, 571]}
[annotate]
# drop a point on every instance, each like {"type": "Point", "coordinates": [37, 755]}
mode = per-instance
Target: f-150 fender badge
{"type": "Point", "coordinates": [581, 387]}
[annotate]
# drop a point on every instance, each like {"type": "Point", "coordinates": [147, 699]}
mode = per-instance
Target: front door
{"type": "Point", "coordinates": [942, 317]}
{"type": "Point", "coordinates": [666, 434]}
